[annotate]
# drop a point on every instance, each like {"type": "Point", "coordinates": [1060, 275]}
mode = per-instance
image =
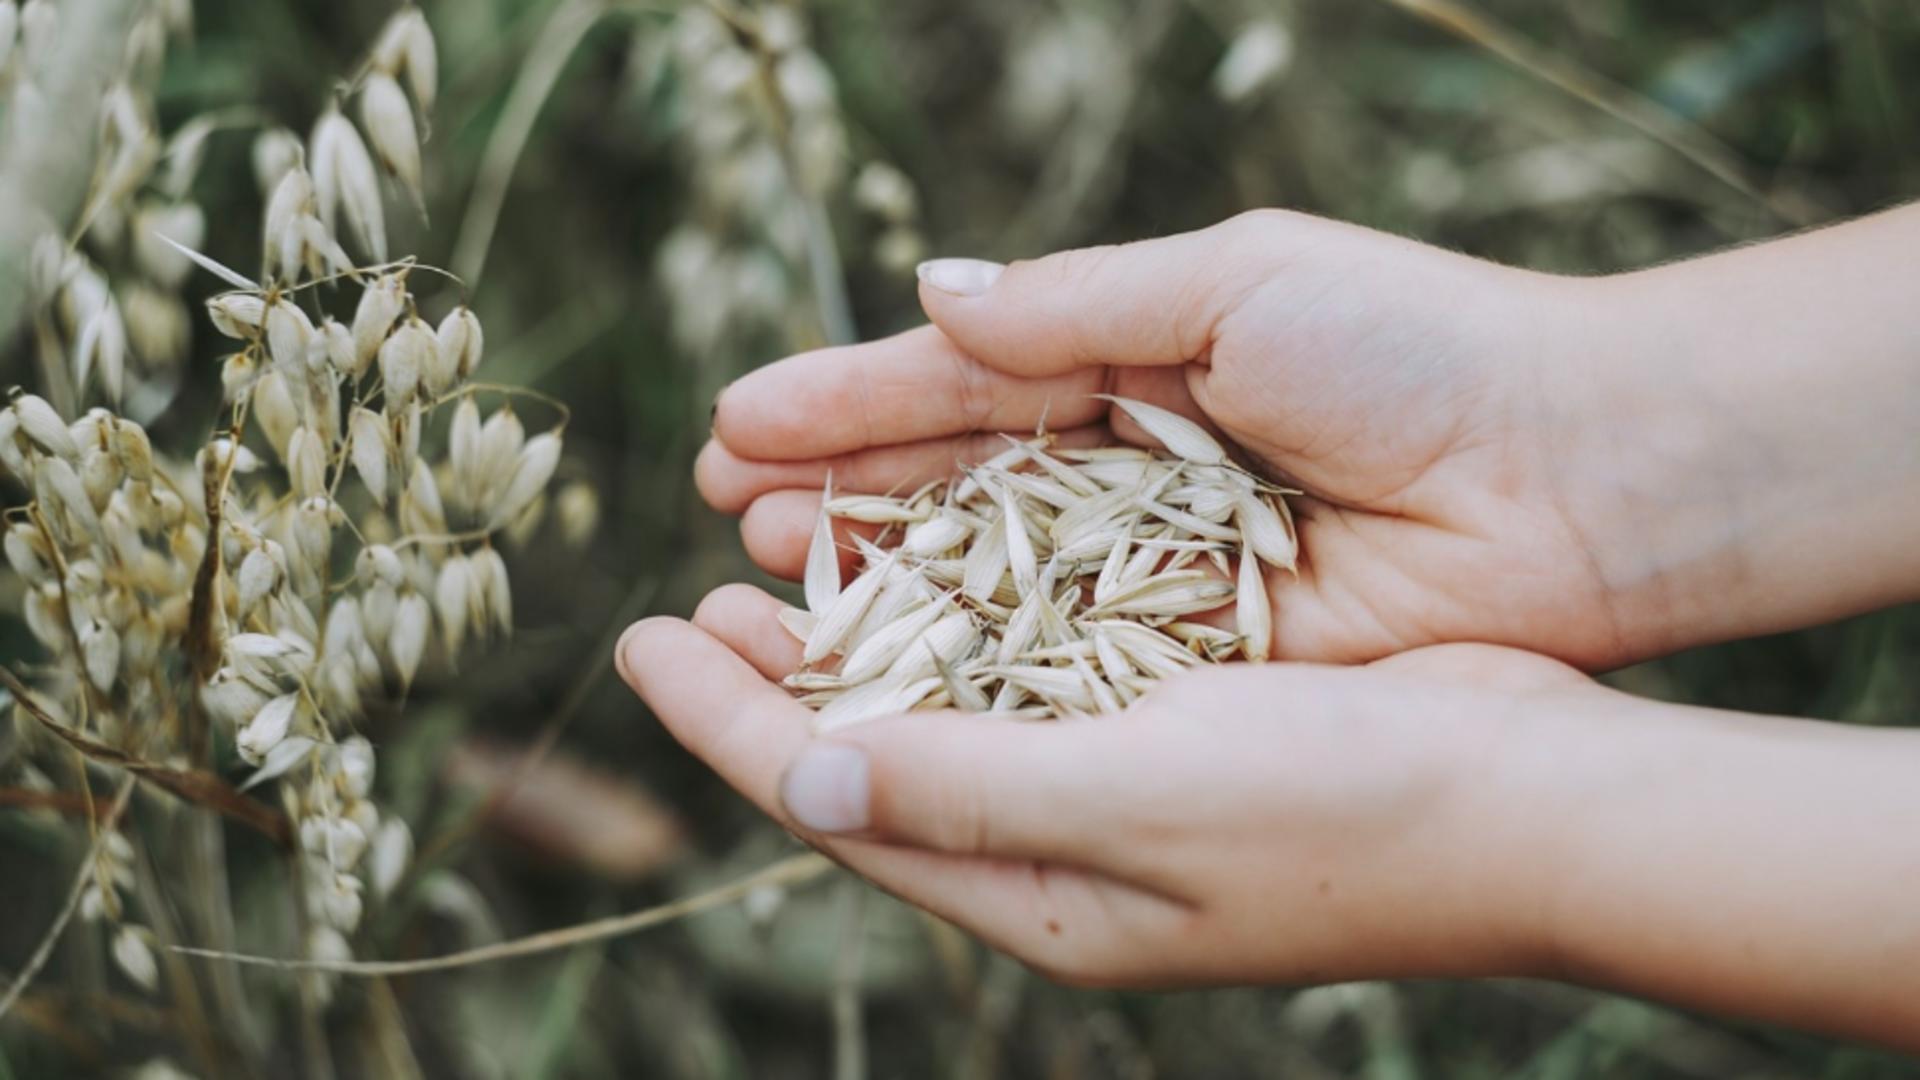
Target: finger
{"type": "Point", "coordinates": [718, 707]}
{"type": "Point", "coordinates": [723, 711]}
{"type": "Point", "coordinates": [778, 528]}
{"type": "Point", "coordinates": [1153, 302]}
{"type": "Point", "coordinates": [968, 784]}
{"type": "Point", "coordinates": [949, 781]}
{"type": "Point", "coordinates": [746, 620]}
{"type": "Point", "coordinates": [782, 501]}
{"type": "Point", "coordinates": [730, 482]}
{"type": "Point", "coordinates": [777, 522]}
{"type": "Point", "coordinates": [1167, 387]}
{"type": "Point", "coordinates": [747, 730]}
{"type": "Point", "coordinates": [965, 784]}
{"type": "Point", "coordinates": [907, 388]}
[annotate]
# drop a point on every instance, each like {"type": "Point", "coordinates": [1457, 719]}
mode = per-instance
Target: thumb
{"type": "Point", "coordinates": [954, 782]}
{"type": "Point", "coordinates": [1152, 302]}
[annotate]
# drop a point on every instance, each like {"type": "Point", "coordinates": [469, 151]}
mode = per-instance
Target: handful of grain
{"type": "Point", "coordinates": [1047, 582]}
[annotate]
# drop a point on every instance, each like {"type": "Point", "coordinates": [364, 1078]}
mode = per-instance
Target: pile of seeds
{"type": "Point", "coordinates": [1046, 582]}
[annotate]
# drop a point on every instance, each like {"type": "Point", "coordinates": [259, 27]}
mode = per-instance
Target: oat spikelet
{"type": "Point", "coordinates": [388, 120]}
{"type": "Point", "coordinates": [1252, 612]}
{"type": "Point", "coordinates": [822, 579]}
{"type": "Point", "coordinates": [1182, 437]}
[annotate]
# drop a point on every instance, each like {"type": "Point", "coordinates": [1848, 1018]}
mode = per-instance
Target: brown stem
{"type": "Point", "coordinates": [44, 950]}
{"type": "Point", "coordinates": [788, 871]}
{"type": "Point", "coordinates": [194, 785]}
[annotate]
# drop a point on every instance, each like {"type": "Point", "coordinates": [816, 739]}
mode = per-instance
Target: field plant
{"type": "Point", "coordinates": [313, 764]}
{"type": "Point", "coordinates": [257, 600]}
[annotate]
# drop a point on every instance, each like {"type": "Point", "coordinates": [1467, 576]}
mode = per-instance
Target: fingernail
{"type": "Point", "coordinates": [713, 411]}
{"type": "Point", "coordinates": [825, 788]}
{"type": "Point", "coordinates": [961, 277]}
{"type": "Point", "coordinates": [623, 653]}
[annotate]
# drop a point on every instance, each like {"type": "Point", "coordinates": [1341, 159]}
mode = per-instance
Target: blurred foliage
{"type": "Point", "coordinates": [1024, 128]}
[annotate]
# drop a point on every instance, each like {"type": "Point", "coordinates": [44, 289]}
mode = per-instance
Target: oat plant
{"type": "Point", "coordinates": [218, 625]}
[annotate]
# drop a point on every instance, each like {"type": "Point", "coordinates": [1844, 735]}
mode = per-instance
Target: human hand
{"type": "Point", "coordinates": [1410, 391]}
{"type": "Point", "coordinates": [1458, 810]}
{"type": "Point", "coordinates": [1286, 823]}
{"type": "Point", "coordinates": [1601, 470]}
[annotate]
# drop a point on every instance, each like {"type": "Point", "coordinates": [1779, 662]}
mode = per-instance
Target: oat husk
{"type": "Point", "coordinates": [1046, 582]}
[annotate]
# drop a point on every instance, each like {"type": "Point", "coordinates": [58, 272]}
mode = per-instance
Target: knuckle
{"type": "Point", "coordinates": [1256, 243]}
{"type": "Point", "coordinates": [1080, 264]}
{"type": "Point", "coordinates": [906, 799]}
{"type": "Point", "coordinates": [1062, 269]}
{"type": "Point", "coordinates": [1262, 223]}
{"type": "Point", "coordinates": [966, 820]}
{"type": "Point", "coordinates": [970, 388]}
{"type": "Point", "coordinates": [852, 470]}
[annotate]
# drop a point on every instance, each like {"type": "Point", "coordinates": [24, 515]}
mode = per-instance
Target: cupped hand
{"type": "Point", "coordinates": [1418, 396]}
{"type": "Point", "coordinates": [1278, 822]}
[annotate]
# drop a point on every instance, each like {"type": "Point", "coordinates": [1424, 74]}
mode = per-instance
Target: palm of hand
{"type": "Point", "coordinates": [1431, 516]}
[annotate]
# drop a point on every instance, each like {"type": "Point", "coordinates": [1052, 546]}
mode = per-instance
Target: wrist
{"type": "Point", "coordinates": [1664, 461]}
{"type": "Point", "coordinates": [1724, 423]}
{"type": "Point", "coordinates": [1638, 454]}
{"type": "Point", "coordinates": [1475, 874]}
{"type": "Point", "coordinates": [1736, 863]}
{"type": "Point", "coordinates": [1554, 767]}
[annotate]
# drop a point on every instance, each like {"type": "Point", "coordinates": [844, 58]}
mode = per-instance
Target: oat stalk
{"type": "Point", "coordinates": [787, 872]}
{"type": "Point", "coordinates": [82, 878]}
{"type": "Point", "coordinates": [193, 785]}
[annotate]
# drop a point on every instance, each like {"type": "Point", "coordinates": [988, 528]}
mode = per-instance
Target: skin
{"type": "Point", "coordinates": [1595, 471]}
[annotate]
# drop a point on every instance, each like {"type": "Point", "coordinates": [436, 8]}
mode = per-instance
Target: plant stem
{"type": "Point", "coordinates": [788, 871]}
{"type": "Point", "coordinates": [849, 1025]}
{"type": "Point", "coordinates": [80, 879]}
